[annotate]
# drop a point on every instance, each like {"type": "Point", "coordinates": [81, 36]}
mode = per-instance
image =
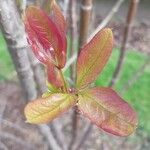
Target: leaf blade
{"type": "Point", "coordinates": [108, 110]}
{"type": "Point", "coordinates": [47, 34]}
{"type": "Point", "coordinates": [54, 77]}
{"type": "Point", "coordinates": [44, 110]}
{"type": "Point", "coordinates": [93, 57]}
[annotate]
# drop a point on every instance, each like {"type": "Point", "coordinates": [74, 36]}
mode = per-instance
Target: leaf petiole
{"type": "Point", "coordinates": [64, 81]}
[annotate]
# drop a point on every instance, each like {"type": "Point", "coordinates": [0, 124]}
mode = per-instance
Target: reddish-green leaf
{"type": "Point", "coordinates": [105, 108]}
{"type": "Point", "coordinates": [58, 18]}
{"type": "Point", "coordinates": [54, 77]}
{"type": "Point", "coordinates": [46, 34]}
{"type": "Point", "coordinates": [93, 57]}
{"type": "Point", "coordinates": [44, 110]}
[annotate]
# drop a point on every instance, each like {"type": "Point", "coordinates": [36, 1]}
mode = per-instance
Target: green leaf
{"type": "Point", "coordinates": [106, 109]}
{"type": "Point", "coordinates": [44, 110]}
{"type": "Point", "coordinates": [93, 57]}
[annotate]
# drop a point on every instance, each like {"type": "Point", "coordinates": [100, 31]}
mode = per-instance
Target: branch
{"type": "Point", "coordinates": [14, 35]}
{"type": "Point", "coordinates": [86, 7]}
{"type": "Point", "coordinates": [129, 20]}
{"type": "Point", "coordinates": [65, 8]}
{"type": "Point", "coordinates": [86, 10]}
{"type": "Point", "coordinates": [73, 36]}
{"type": "Point", "coordinates": [38, 73]}
{"type": "Point", "coordinates": [84, 136]}
{"type": "Point", "coordinates": [70, 62]}
{"type": "Point", "coordinates": [2, 109]}
{"type": "Point", "coordinates": [49, 137]}
{"type": "Point", "coordinates": [58, 135]}
{"type": "Point", "coordinates": [107, 18]}
{"type": "Point", "coordinates": [14, 126]}
{"type": "Point", "coordinates": [16, 139]}
{"type": "Point", "coordinates": [3, 146]}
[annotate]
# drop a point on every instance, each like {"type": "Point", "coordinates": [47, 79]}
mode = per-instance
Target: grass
{"type": "Point", "coordinates": [138, 95]}
{"type": "Point", "coordinates": [6, 65]}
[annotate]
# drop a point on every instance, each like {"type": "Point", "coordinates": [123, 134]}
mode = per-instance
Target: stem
{"type": "Point", "coordinates": [128, 26]}
{"type": "Point", "coordinates": [86, 11]}
{"type": "Point", "coordinates": [63, 79]}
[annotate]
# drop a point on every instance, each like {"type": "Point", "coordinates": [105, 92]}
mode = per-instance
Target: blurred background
{"type": "Point", "coordinates": [128, 71]}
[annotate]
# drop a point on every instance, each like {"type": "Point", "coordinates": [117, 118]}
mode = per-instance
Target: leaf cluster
{"type": "Point", "coordinates": [102, 105]}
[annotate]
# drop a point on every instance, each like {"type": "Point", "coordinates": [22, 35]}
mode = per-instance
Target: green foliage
{"type": "Point", "coordinates": [138, 94]}
{"type": "Point", "coordinates": [6, 65]}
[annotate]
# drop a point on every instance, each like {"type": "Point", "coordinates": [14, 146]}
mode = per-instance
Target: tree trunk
{"type": "Point", "coordinates": [14, 35]}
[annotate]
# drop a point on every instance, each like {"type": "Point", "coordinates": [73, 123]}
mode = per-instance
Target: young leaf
{"type": "Point", "coordinates": [105, 108]}
{"type": "Point", "coordinates": [58, 18]}
{"type": "Point", "coordinates": [44, 110]}
{"type": "Point", "coordinates": [36, 46]}
{"type": "Point", "coordinates": [93, 57]}
{"type": "Point", "coordinates": [47, 34]}
{"type": "Point", "coordinates": [53, 76]}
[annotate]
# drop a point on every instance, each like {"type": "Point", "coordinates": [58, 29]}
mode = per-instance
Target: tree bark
{"type": "Point", "coordinates": [38, 72]}
{"type": "Point", "coordinates": [14, 35]}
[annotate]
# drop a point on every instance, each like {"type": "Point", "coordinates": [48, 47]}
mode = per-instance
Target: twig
{"type": "Point", "coordinates": [136, 75]}
{"type": "Point", "coordinates": [58, 135]}
{"type": "Point", "coordinates": [70, 62]}
{"type": "Point", "coordinates": [65, 7]}
{"type": "Point", "coordinates": [73, 36]}
{"type": "Point", "coordinates": [3, 146]}
{"type": "Point", "coordinates": [74, 128]}
{"type": "Point", "coordinates": [129, 20]}
{"type": "Point", "coordinates": [49, 137]}
{"type": "Point", "coordinates": [107, 18]}
{"type": "Point", "coordinates": [2, 109]}
{"type": "Point", "coordinates": [16, 139]}
{"type": "Point", "coordinates": [24, 4]}
{"type": "Point", "coordinates": [14, 126]}
{"type": "Point", "coordinates": [84, 136]}
{"type": "Point", "coordinates": [86, 9]}
{"type": "Point", "coordinates": [38, 73]}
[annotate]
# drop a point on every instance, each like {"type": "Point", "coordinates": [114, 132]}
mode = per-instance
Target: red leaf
{"type": "Point", "coordinates": [54, 77]}
{"type": "Point", "coordinates": [93, 57]}
{"type": "Point", "coordinates": [105, 108]}
{"type": "Point", "coordinates": [36, 46]}
{"type": "Point", "coordinates": [58, 18]}
{"type": "Point", "coordinates": [46, 34]}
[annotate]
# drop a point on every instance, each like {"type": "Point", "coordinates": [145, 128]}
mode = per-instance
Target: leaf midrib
{"type": "Point", "coordinates": [42, 114]}
{"type": "Point", "coordinates": [115, 114]}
